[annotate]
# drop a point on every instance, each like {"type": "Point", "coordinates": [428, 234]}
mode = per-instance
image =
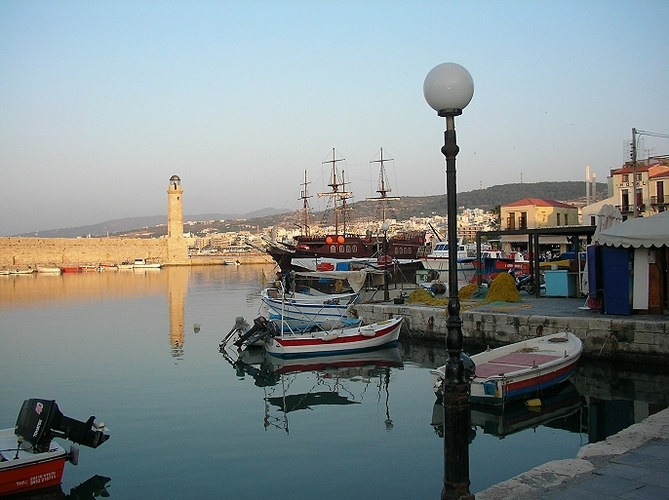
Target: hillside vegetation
{"type": "Point", "coordinates": [405, 208]}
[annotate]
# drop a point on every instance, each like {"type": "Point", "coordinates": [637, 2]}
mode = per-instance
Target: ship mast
{"type": "Point", "coordinates": [384, 188]}
{"type": "Point", "coordinates": [304, 196]}
{"type": "Point", "coordinates": [336, 194]}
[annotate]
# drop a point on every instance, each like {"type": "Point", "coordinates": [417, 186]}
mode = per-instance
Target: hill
{"type": "Point", "coordinates": [405, 208]}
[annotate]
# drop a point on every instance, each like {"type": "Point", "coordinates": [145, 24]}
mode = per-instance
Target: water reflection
{"type": "Point", "coordinates": [562, 409]}
{"type": "Point", "coordinates": [94, 487]}
{"type": "Point", "coordinates": [40, 290]}
{"type": "Point", "coordinates": [290, 385]}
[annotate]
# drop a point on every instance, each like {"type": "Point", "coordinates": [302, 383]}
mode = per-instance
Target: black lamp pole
{"type": "Point", "coordinates": [448, 88]}
{"type": "Point", "coordinates": [455, 389]}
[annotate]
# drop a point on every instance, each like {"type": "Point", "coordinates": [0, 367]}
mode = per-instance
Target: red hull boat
{"type": "Point", "coordinates": [29, 458]}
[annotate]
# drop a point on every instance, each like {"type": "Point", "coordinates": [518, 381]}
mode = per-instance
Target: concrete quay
{"type": "Point", "coordinates": [643, 338]}
{"type": "Point", "coordinates": [632, 464]}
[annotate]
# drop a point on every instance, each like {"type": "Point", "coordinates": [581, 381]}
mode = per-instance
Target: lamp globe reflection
{"type": "Point", "coordinates": [448, 89]}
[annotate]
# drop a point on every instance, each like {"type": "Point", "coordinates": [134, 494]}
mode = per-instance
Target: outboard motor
{"type": "Point", "coordinates": [40, 420]}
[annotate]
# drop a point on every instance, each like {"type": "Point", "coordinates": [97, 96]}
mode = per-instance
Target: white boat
{"type": "Point", "coordinates": [30, 270]}
{"type": "Point", "coordinates": [143, 264]}
{"type": "Point", "coordinates": [29, 458]}
{"type": "Point", "coordinates": [437, 260]}
{"type": "Point", "coordinates": [319, 299]}
{"type": "Point", "coordinates": [520, 370]}
{"type": "Point", "coordinates": [49, 270]}
{"type": "Point", "coordinates": [278, 342]}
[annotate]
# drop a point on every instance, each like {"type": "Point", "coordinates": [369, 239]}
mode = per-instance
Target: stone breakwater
{"type": "Point", "coordinates": [35, 252]}
{"type": "Point", "coordinates": [622, 338]}
{"type": "Point", "coordinates": [22, 252]}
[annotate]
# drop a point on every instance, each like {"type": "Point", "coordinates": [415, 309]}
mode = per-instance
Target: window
{"type": "Point", "coordinates": [558, 218]}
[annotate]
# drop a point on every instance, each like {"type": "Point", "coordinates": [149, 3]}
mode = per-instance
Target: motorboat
{"type": "Point", "coordinates": [144, 264]}
{"type": "Point", "coordinates": [289, 344]}
{"type": "Point", "coordinates": [520, 370]}
{"type": "Point", "coordinates": [30, 459]}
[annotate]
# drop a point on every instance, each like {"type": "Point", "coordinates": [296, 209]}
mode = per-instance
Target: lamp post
{"type": "Point", "coordinates": [386, 295]}
{"type": "Point", "coordinates": [448, 88]}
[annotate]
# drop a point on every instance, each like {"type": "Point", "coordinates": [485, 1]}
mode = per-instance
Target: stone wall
{"type": "Point", "coordinates": [23, 252]}
{"type": "Point", "coordinates": [606, 337]}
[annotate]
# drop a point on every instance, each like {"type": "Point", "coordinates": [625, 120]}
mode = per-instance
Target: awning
{"type": "Point", "coordinates": [638, 232]}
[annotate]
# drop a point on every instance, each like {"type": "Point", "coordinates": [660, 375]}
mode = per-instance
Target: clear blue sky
{"type": "Point", "coordinates": [101, 102]}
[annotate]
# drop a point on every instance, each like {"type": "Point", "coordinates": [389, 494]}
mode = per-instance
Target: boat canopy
{"type": "Point", "coordinates": [355, 278]}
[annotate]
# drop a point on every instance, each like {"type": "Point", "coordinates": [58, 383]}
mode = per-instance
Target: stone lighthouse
{"type": "Point", "coordinates": [177, 247]}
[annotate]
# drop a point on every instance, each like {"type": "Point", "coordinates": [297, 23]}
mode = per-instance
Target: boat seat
{"type": "Point", "coordinates": [486, 370]}
{"type": "Point", "coordinates": [524, 359]}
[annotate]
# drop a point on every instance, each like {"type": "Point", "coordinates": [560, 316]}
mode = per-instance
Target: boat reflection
{"type": "Point", "coordinates": [94, 487]}
{"type": "Point", "coordinates": [561, 409]}
{"type": "Point", "coordinates": [329, 380]}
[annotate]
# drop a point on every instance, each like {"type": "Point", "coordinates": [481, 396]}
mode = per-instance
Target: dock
{"type": "Point", "coordinates": [638, 337]}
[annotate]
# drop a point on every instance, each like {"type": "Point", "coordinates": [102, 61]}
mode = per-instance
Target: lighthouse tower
{"type": "Point", "coordinates": [177, 248]}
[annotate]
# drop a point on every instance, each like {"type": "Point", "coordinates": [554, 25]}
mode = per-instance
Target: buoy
{"type": "Point", "coordinates": [533, 402]}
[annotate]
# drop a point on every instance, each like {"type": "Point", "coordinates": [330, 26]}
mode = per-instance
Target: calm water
{"type": "Point", "coordinates": [184, 423]}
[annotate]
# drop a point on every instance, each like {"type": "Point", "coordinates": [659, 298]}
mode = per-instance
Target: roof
{"type": "Point", "coordinates": [638, 232]}
{"type": "Point", "coordinates": [539, 202]}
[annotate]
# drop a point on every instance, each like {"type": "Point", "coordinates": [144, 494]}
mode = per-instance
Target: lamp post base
{"type": "Point", "coordinates": [456, 446]}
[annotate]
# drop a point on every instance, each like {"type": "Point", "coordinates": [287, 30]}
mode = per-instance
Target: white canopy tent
{"type": "Point", "coordinates": [639, 232]}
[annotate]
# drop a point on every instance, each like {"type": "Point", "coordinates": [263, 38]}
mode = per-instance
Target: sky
{"type": "Point", "coordinates": [102, 102]}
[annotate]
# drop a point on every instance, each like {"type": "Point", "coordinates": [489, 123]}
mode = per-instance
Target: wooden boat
{"type": "Point", "coordinates": [341, 244]}
{"type": "Point", "coordinates": [289, 344]}
{"type": "Point", "coordinates": [30, 459]}
{"type": "Point", "coordinates": [520, 370]}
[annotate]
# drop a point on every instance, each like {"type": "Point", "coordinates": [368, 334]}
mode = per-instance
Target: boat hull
{"type": "Point", "coordinates": [521, 370]}
{"type": "Point", "coordinates": [339, 341]}
{"type": "Point", "coordinates": [31, 471]}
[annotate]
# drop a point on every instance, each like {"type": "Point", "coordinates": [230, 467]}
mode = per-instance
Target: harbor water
{"type": "Point", "coordinates": [140, 351]}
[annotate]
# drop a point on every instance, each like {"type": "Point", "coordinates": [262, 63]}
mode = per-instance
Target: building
{"type": "Point", "coordinates": [652, 187]}
{"type": "Point", "coordinates": [536, 213]}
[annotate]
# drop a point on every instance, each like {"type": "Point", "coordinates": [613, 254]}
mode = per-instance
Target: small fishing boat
{"type": "Point", "coordinates": [49, 270]}
{"type": "Point", "coordinates": [70, 269]}
{"type": "Point", "coordinates": [519, 371]}
{"type": "Point", "coordinates": [30, 270]}
{"type": "Point", "coordinates": [29, 458]}
{"type": "Point", "coordinates": [289, 344]}
{"type": "Point", "coordinates": [320, 299]}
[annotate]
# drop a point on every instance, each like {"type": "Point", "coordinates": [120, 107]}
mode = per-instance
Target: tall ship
{"type": "Point", "coordinates": [342, 245]}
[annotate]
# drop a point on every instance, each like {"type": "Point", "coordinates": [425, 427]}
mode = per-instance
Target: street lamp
{"type": "Point", "coordinates": [448, 88]}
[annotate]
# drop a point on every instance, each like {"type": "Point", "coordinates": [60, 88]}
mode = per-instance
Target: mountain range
{"type": "Point", "coordinates": [405, 208]}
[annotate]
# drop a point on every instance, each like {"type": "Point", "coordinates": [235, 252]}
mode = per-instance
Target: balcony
{"type": "Point", "coordinates": [659, 201]}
